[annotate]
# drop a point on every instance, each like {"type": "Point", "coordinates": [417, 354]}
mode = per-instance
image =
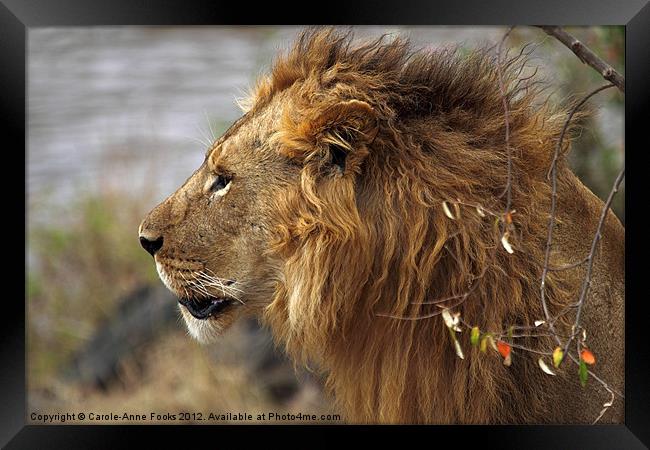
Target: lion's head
{"type": "Point", "coordinates": [325, 209]}
{"type": "Point", "coordinates": [213, 240]}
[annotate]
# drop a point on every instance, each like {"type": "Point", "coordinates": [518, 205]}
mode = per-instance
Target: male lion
{"type": "Point", "coordinates": [351, 204]}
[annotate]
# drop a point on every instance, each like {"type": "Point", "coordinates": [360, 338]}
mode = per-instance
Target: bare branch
{"type": "Point", "coordinates": [505, 220]}
{"type": "Point", "coordinates": [558, 147]}
{"type": "Point", "coordinates": [597, 378]}
{"type": "Point", "coordinates": [606, 406]}
{"type": "Point", "coordinates": [551, 223]}
{"type": "Point", "coordinates": [592, 252]}
{"type": "Point", "coordinates": [587, 56]}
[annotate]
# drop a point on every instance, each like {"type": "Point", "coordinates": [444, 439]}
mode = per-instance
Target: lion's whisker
{"type": "Point", "coordinates": [203, 281]}
{"type": "Point", "coordinates": [203, 143]}
{"type": "Point", "coordinates": [212, 135]}
{"type": "Point", "coordinates": [218, 282]}
{"type": "Point", "coordinates": [207, 138]}
{"type": "Point", "coordinates": [184, 288]}
{"type": "Point", "coordinates": [232, 282]}
{"type": "Point", "coordinates": [199, 288]}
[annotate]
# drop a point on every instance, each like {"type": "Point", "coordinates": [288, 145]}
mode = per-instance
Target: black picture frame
{"type": "Point", "coordinates": [16, 16]}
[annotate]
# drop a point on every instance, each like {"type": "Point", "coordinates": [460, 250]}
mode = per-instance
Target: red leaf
{"type": "Point", "coordinates": [587, 356]}
{"type": "Point", "coordinates": [504, 349]}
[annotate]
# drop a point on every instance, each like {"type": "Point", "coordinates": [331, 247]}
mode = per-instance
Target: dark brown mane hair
{"type": "Point", "coordinates": [370, 255]}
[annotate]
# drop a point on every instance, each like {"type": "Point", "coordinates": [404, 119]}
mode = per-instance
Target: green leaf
{"type": "Point", "coordinates": [473, 339]}
{"type": "Point", "coordinates": [583, 373]}
{"type": "Point", "coordinates": [558, 355]}
{"type": "Point", "coordinates": [483, 346]}
{"type": "Point", "coordinates": [510, 331]}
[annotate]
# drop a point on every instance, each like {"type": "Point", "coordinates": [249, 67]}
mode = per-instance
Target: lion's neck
{"type": "Point", "coordinates": [382, 369]}
{"type": "Point", "coordinates": [363, 301]}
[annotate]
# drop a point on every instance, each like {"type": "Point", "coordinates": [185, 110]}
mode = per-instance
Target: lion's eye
{"type": "Point", "coordinates": [219, 183]}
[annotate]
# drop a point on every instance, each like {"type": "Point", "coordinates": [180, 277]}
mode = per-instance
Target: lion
{"type": "Point", "coordinates": [348, 208]}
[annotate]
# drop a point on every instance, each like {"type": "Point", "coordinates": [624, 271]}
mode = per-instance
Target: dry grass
{"type": "Point", "coordinates": [80, 271]}
{"type": "Point", "coordinates": [174, 375]}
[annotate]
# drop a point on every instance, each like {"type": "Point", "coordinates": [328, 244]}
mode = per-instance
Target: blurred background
{"type": "Point", "coordinates": [118, 118]}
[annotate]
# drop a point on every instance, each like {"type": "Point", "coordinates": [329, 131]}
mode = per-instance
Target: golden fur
{"type": "Point", "coordinates": [374, 139]}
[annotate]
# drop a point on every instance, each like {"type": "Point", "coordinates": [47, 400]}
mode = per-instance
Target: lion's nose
{"type": "Point", "coordinates": [152, 246]}
{"type": "Point", "coordinates": [150, 230]}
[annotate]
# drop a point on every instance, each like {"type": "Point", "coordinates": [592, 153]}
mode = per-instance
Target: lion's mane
{"type": "Point", "coordinates": [366, 249]}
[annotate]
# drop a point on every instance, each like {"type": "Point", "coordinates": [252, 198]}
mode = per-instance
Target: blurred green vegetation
{"type": "Point", "coordinates": [598, 151]}
{"type": "Point", "coordinates": [80, 269]}
{"type": "Point", "coordinates": [595, 158]}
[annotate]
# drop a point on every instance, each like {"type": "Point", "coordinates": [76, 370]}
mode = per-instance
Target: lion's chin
{"type": "Point", "coordinates": [206, 331]}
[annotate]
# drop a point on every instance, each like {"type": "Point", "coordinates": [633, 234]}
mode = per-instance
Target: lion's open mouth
{"type": "Point", "coordinates": [205, 307]}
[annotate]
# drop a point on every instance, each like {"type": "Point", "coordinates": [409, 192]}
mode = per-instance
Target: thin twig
{"type": "Point", "coordinates": [575, 109]}
{"type": "Point", "coordinates": [594, 245]}
{"type": "Point", "coordinates": [587, 56]}
{"type": "Point", "coordinates": [551, 222]}
{"type": "Point", "coordinates": [611, 75]}
{"type": "Point", "coordinates": [528, 349]}
{"type": "Point", "coordinates": [441, 308]}
{"type": "Point", "coordinates": [596, 377]}
{"type": "Point", "coordinates": [606, 406]}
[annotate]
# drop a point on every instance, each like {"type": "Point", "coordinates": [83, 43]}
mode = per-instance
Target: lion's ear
{"type": "Point", "coordinates": [333, 137]}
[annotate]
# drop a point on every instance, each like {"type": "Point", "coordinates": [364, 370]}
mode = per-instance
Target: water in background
{"type": "Point", "coordinates": [127, 107]}
{"type": "Point", "coordinates": [132, 108]}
